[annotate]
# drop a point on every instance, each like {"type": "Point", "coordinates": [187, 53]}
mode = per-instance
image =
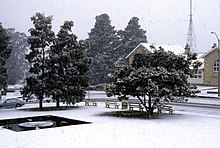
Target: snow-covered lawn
{"type": "Point", "coordinates": [181, 130]}
{"type": "Point", "coordinates": [205, 89]}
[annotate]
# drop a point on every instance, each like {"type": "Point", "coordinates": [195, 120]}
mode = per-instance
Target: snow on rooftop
{"type": "Point", "coordinates": [201, 59]}
{"type": "Point", "coordinates": [177, 49]}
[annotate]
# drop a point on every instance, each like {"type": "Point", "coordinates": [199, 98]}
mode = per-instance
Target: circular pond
{"type": "Point", "coordinates": [39, 124]}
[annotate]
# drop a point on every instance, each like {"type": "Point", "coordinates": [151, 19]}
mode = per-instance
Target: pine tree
{"type": "Point", "coordinates": [5, 51]}
{"type": "Point", "coordinates": [16, 64]}
{"type": "Point", "coordinates": [131, 36]}
{"type": "Point", "coordinates": [67, 67]}
{"type": "Point", "coordinates": [40, 41]}
{"type": "Point", "coordinates": [103, 46]}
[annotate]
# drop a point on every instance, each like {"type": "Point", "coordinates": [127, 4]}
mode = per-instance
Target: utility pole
{"type": "Point", "coordinates": [218, 62]}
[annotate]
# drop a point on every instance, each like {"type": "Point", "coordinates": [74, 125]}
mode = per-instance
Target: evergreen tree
{"type": "Point", "coordinates": [40, 41]}
{"type": "Point", "coordinates": [16, 64]}
{"type": "Point", "coordinates": [5, 51]}
{"type": "Point", "coordinates": [157, 74]}
{"type": "Point", "coordinates": [67, 67]}
{"type": "Point", "coordinates": [131, 36]}
{"type": "Point", "coordinates": [103, 46]}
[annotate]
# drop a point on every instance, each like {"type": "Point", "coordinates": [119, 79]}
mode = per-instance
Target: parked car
{"type": "Point", "coordinates": [11, 88]}
{"type": "Point", "coordinates": [11, 102]}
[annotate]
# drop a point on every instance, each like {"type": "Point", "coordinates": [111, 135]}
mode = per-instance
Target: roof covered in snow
{"type": "Point", "coordinates": [201, 59]}
{"type": "Point", "coordinates": [176, 49]}
{"type": "Point", "coordinates": [207, 53]}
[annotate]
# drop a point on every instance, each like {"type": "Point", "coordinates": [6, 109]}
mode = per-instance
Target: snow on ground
{"type": "Point", "coordinates": [205, 89]}
{"type": "Point", "coordinates": [181, 130]}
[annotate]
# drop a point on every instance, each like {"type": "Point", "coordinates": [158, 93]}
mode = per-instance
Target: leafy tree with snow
{"type": "Point", "coordinates": [5, 51]}
{"type": "Point", "coordinates": [68, 65]}
{"type": "Point", "coordinates": [103, 46]}
{"type": "Point", "coordinates": [40, 40]}
{"type": "Point", "coordinates": [131, 36]}
{"type": "Point", "coordinates": [16, 64]}
{"type": "Point", "coordinates": [157, 74]}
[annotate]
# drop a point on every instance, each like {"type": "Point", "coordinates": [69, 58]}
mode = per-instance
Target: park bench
{"type": "Point", "coordinates": [89, 102]}
{"type": "Point", "coordinates": [138, 105]}
{"type": "Point", "coordinates": [165, 107]}
{"type": "Point", "coordinates": [109, 103]}
{"type": "Point", "coordinates": [178, 99]}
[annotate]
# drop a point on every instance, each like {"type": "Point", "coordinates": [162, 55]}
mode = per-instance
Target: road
{"type": "Point", "coordinates": [210, 106]}
{"type": "Point", "coordinates": [200, 110]}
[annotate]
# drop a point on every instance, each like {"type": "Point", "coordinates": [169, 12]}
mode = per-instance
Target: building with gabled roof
{"type": "Point", "coordinates": [211, 66]}
{"type": "Point", "coordinates": [176, 49]}
{"type": "Point", "coordinates": [143, 47]}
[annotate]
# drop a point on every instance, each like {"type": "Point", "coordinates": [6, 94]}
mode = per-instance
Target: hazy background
{"type": "Point", "coordinates": [166, 21]}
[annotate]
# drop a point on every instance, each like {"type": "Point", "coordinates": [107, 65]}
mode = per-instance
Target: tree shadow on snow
{"type": "Point", "coordinates": [137, 115]}
{"type": "Point", "coordinates": [50, 108]}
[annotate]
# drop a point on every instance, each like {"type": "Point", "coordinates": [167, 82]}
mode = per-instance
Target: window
{"type": "Point", "coordinates": [13, 100]}
{"type": "Point", "coordinates": [8, 101]}
{"type": "Point", "coordinates": [198, 74]}
{"type": "Point", "coordinates": [215, 66]}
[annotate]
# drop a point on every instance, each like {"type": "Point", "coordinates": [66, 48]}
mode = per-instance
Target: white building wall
{"type": "Point", "coordinates": [195, 80]}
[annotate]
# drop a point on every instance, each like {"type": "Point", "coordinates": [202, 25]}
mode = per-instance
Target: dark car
{"type": "Point", "coordinates": [11, 102]}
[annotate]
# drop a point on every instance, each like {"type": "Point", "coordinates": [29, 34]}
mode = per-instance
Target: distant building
{"type": "Point", "coordinates": [198, 77]}
{"type": "Point", "coordinates": [202, 77]}
{"type": "Point", "coordinates": [211, 67]}
{"type": "Point", "coordinates": [146, 47]}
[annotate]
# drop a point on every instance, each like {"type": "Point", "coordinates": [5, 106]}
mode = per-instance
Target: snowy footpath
{"type": "Point", "coordinates": [180, 130]}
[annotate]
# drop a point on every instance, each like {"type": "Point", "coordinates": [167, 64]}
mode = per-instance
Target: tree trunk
{"type": "Point", "coordinates": [41, 103]}
{"type": "Point", "coordinates": [144, 99]}
{"type": "Point", "coordinates": [1, 90]}
{"type": "Point", "coordinates": [58, 102]}
{"type": "Point", "coordinates": [144, 104]}
{"type": "Point", "coordinates": [41, 97]}
{"type": "Point", "coordinates": [150, 106]}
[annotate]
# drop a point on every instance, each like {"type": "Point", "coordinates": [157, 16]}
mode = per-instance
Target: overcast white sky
{"type": "Point", "coordinates": [166, 21]}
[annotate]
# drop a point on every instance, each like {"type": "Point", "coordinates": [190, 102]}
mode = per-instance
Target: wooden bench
{"type": "Point", "coordinates": [109, 103]}
{"type": "Point", "coordinates": [89, 102]}
{"type": "Point", "coordinates": [166, 108]}
{"type": "Point", "coordinates": [179, 99]}
{"type": "Point", "coordinates": [132, 105]}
